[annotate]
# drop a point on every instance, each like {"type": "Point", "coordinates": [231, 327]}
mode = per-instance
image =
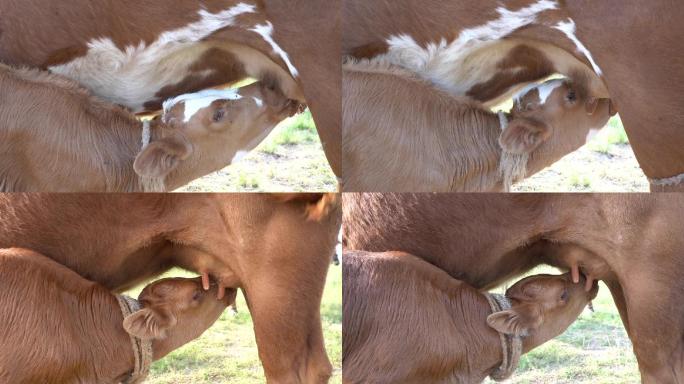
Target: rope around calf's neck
{"type": "Point", "coordinates": [511, 346]}
{"type": "Point", "coordinates": [146, 133]}
{"type": "Point", "coordinates": [142, 349]}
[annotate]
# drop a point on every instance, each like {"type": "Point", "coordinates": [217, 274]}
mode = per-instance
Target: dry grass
{"type": "Point", "coordinates": [605, 164]}
{"type": "Point", "coordinates": [290, 159]}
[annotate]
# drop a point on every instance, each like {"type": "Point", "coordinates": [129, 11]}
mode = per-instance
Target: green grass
{"type": "Point", "coordinates": [594, 349]}
{"type": "Point", "coordinates": [300, 130]}
{"type": "Point", "coordinates": [577, 180]}
{"type": "Point", "coordinates": [227, 352]}
{"type": "Point", "coordinates": [613, 133]}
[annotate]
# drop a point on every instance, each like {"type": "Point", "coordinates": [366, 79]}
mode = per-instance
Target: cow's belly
{"type": "Point", "coordinates": [486, 62]}
{"type": "Point", "coordinates": [488, 71]}
{"type": "Point", "coordinates": [136, 76]}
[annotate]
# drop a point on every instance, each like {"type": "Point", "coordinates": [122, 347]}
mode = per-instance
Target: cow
{"type": "Point", "coordinates": [631, 242]}
{"type": "Point", "coordinates": [486, 49]}
{"type": "Point", "coordinates": [406, 321]}
{"type": "Point", "coordinates": [139, 55]}
{"type": "Point", "coordinates": [276, 248]}
{"type": "Point", "coordinates": [58, 137]}
{"type": "Point", "coordinates": [451, 143]}
{"type": "Point", "coordinates": [78, 329]}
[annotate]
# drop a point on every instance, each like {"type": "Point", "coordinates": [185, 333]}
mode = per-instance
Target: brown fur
{"type": "Point", "coordinates": [406, 321]}
{"type": "Point", "coordinates": [631, 242]}
{"type": "Point", "coordinates": [61, 328]}
{"type": "Point", "coordinates": [251, 241]}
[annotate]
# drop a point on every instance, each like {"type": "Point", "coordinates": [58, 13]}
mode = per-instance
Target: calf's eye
{"type": "Point", "coordinates": [197, 295]}
{"type": "Point", "coordinates": [571, 96]}
{"type": "Point", "coordinates": [564, 295]}
{"type": "Point", "coordinates": [219, 114]}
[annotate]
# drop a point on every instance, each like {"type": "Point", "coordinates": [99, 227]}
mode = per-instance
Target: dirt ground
{"type": "Point", "coordinates": [586, 170]}
{"type": "Point", "coordinates": [290, 159]}
{"type": "Point", "coordinates": [605, 164]}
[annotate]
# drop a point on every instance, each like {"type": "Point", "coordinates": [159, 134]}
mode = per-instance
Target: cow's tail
{"type": "Point", "coordinates": [318, 206]}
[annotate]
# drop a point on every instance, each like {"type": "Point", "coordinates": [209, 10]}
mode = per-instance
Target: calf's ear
{"type": "Point", "coordinates": [148, 323]}
{"type": "Point", "coordinates": [162, 156]}
{"type": "Point", "coordinates": [518, 321]}
{"type": "Point", "coordinates": [523, 136]}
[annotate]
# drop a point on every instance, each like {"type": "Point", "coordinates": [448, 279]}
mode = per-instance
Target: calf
{"type": "Point", "coordinates": [407, 321]}
{"type": "Point", "coordinates": [61, 328]}
{"type": "Point", "coordinates": [56, 136]}
{"type": "Point", "coordinates": [402, 134]}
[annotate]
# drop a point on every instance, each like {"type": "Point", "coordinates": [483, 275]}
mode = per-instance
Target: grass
{"type": "Point", "coordinates": [605, 164]}
{"type": "Point", "coordinates": [290, 159]}
{"type": "Point", "coordinates": [613, 133]}
{"type": "Point", "coordinates": [301, 129]}
{"type": "Point", "coordinates": [227, 352]}
{"type": "Point", "coordinates": [594, 349]}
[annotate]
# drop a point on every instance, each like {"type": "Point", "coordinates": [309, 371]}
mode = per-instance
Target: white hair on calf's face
{"type": "Point", "coordinates": [544, 90]}
{"type": "Point", "coordinates": [196, 101]}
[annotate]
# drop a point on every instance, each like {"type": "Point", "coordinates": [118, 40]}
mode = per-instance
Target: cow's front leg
{"type": "Point", "coordinates": [656, 327]}
{"type": "Point", "coordinates": [619, 299]}
{"type": "Point", "coordinates": [285, 305]}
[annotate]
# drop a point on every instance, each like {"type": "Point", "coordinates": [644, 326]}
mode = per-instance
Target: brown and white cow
{"type": "Point", "coordinates": [57, 136]}
{"type": "Point", "coordinates": [631, 242]}
{"type": "Point", "coordinates": [406, 321]}
{"type": "Point", "coordinates": [486, 49]}
{"type": "Point", "coordinates": [276, 248]}
{"type": "Point", "coordinates": [140, 54]}
{"type": "Point", "coordinates": [441, 142]}
{"type": "Point", "coordinates": [58, 327]}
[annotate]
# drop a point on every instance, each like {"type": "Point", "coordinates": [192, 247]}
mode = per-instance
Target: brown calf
{"type": "Point", "coordinates": [400, 134]}
{"type": "Point", "coordinates": [406, 321]}
{"type": "Point", "coordinates": [631, 242]}
{"type": "Point", "coordinates": [259, 243]}
{"type": "Point", "coordinates": [61, 328]}
{"type": "Point", "coordinates": [56, 136]}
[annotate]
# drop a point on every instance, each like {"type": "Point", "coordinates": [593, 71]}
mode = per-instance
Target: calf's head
{"type": "Point", "coordinates": [175, 311]}
{"type": "Point", "coordinates": [212, 128]}
{"type": "Point", "coordinates": [542, 307]}
{"type": "Point", "coordinates": [552, 119]}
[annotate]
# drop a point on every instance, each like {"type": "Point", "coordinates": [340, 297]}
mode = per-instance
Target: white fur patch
{"type": "Point", "coordinates": [568, 28]}
{"type": "Point", "coordinates": [196, 101]}
{"type": "Point", "coordinates": [258, 101]}
{"type": "Point", "coordinates": [134, 75]}
{"type": "Point", "coordinates": [668, 181]}
{"type": "Point", "coordinates": [266, 30]}
{"type": "Point", "coordinates": [544, 90]}
{"type": "Point", "coordinates": [459, 65]}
